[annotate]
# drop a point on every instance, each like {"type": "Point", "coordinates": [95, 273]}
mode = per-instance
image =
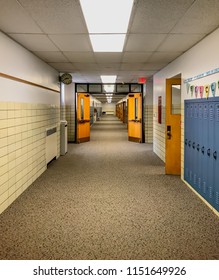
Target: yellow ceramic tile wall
{"type": "Point", "coordinates": [22, 146]}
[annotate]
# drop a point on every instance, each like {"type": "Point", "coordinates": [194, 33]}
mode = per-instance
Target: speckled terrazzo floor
{"type": "Point", "coordinates": [108, 199]}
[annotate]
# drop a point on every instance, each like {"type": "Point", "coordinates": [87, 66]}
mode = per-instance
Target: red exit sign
{"type": "Point", "coordinates": [142, 80]}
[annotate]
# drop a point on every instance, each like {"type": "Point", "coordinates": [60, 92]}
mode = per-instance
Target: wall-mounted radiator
{"type": "Point", "coordinates": [51, 144]}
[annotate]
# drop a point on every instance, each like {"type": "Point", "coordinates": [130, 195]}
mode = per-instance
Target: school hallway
{"type": "Point", "coordinates": [108, 199]}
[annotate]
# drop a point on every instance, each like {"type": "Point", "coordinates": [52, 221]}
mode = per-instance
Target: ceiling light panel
{"type": "Point", "coordinates": [107, 43]}
{"type": "Point", "coordinates": [108, 79]}
{"type": "Point", "coordinates": [107, 16]}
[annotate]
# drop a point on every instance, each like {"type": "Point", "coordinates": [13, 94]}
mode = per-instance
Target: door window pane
{"type": "Point", "coordinates": [82, 88]}
{"type": "Point", "coordinates": [176, 100]}
{"type": "Point", "coordinates": [82, 108]}
{"type": "Point", "coordinates": [136, 108]}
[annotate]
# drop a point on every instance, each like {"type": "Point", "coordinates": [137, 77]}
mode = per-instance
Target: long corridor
{"type": "Point", "coordinates": [108, 199]}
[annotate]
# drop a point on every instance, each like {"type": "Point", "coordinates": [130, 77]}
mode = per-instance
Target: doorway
{"type": "Point", "coordinates": [135, 117]}
{"type": "Point", "coordinates": [83, 117]}
{"type": "Point", "coordinates": [173, 126]}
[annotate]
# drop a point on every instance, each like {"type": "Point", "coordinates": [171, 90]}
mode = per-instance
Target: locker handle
{"type": "Point", "coordinates": [189, 144]}
{"type": "Point", "coordinates": [215, 155]}
{"type": "Point", "coordinates": [186, 142]}
{"type": "Point", "coordinates": [203, 150]}
{"type": "Point", "coordinates": [198, 147]}
{"type": "Point", "coordinates": [209, 152]}
{"type": "Point", "coordinates": [193, 145]}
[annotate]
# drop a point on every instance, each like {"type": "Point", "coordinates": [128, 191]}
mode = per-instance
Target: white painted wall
{"type": "Point", "coordinates": [109, 108]}
{"type": "Point", "coordinates": [26, 112]}
{"type": "Point", "coordinates": [19, 62]}
{"type": "Point", "coordinates": [199, 59]}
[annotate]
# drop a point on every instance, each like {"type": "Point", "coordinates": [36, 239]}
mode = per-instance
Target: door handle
{"type": "Point", "coordinates": [83, 121]}
{"type": "Point", "coordinates": [169, 132]}
{"type": "Point", "coordinates": [136, 121]}
{"type": "Point", "coordinates": [215, 155]}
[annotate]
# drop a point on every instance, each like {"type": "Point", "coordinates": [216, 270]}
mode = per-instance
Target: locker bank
{"type": "Point", "coordinates": [109, 129]}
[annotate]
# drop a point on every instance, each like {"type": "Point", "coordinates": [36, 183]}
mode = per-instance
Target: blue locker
{"type": "Point", "coordinates": [186, 134]}
{"type": "Point", "coordinates": [210, 159]}
{"type": "Point", "coordinates": [204, 159]}
{"type": "Point", "coordinates": [216, 157]}
{"type": "Point", "coordinates": [199, 146]}
{"type": "Point", "coordinates": [202, 147]}
{"type": "Point", "coordinates": [190, 141]}
{"type": "Point", "coordinates": [194, 145]}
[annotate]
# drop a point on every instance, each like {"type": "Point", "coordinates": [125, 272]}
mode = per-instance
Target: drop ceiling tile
{"type": "Point", "coordinates": [93, 79]}
{"type": "Point", "coordinates": [130, 57]}
{"type": "Point", "coordinates": [87, 66]}
{"type": "Point", "coordinates": [14, 19]}
{"type": "Point", "coordinates": [158, 16]}
{"type": "Point", "coordinates": [154, 66]}
{"type": "Point", "coordinates": [76, 43]}
{"type": "Point", "coordinates": [124, 79]}
{"type": "Point", "coordinates": [108, 57]}
{"type": "Point", "coordinates": [63, 67]}
{"type": "Point", "coordinates": [55, 16]}
{"type": "Point", "coordinates": [109, 66]}
{"type": "Point", "coordinates": [78, 78]}
{"type": "Point", "coordinates": [143, 42]}
{"type": "Point", "coordinates": [132, 66]}
{"type": "Point", "coordinates": [163, 57]}
{"type": "Point", "coordinates": [179, 42]}
{"type": "Point", "coordinates": [34, 42]}
{"type": "Point", "coordinates": [87, 57]}
{"type": "Point", "coordinates": [51, 56]}
{"type": "Point", "coordinates": [201, 18]}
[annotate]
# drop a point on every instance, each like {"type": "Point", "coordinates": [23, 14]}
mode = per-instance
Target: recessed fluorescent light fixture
{"type": "Point", "coordinates": [107, 43]}
{"type": "Point", "coordinates": [107, 16]}
{"type": "Point", "coordinates": [108, 79]}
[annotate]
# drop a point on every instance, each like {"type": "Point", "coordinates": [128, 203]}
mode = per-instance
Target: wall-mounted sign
{"type": "Point", "coordinates": [205, 74]}
{"type": "Point", "coordinates": [160, 109]}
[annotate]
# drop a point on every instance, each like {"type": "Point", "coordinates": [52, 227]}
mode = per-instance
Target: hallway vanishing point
{"type": "Point", "coordinates": [108, 199]}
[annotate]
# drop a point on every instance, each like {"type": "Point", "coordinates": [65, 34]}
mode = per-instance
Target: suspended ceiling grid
{"type": "Point", "coordinates": [159, 31]}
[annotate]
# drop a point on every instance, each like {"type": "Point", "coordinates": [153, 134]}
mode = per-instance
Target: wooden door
{"type": "Point", "coordinates": [135, 117]}
{"type": "Point", "coordinates": [83, 117]}
{"type": "Point", "coordinates": [173, 126]}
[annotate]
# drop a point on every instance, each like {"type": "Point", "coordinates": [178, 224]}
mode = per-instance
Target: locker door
{"type": "Point", "coordinates": [199, 146]}
{"type": "Point", "coordinates": [186, 150]}
{"type": "Point", "coordinates": [194, 144]}
{"type": "Point", "coordinates": [190, 140]}
{"type": "Point", "coordinates": [216, 157]}
{"type": "Point", "coordinates": [204, 148]}
{"type": "Point", "coordinates": [210, 159]}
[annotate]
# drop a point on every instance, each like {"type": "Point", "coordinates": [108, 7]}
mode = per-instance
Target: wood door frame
{"type": "Point", "coordinates": [130, 138]}
{"type": "Point", "coordinates": [86, 139]}
{"type": "Point", "coordinates": [171, 81]}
